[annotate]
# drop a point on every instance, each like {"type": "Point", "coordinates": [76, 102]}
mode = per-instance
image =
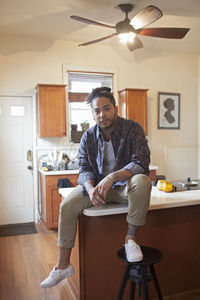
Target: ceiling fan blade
{"type": "Point", "coordinates": [98, 40]}
{"type": "Point", "coordinates": [147, 16]}
{"type": "Point", "coordinates": [168, 33]}
{"type": "Point", "coordinates": [87, 21]}
{"type": "Point", "coordinates": [135, 44]}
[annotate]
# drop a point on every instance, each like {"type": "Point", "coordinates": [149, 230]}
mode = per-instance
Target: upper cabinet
{"type": "Point", "coordinates": [133, 105]}
{"type": "Point", "coordinates": [51, 103]}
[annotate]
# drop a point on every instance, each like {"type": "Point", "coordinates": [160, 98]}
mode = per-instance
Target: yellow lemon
{"type": "Point", "coordinates": [167, 187]}
{"type": "Point", "coordinates": [45, 169]}
{"type": "Point", "coordinates": [160, 184]}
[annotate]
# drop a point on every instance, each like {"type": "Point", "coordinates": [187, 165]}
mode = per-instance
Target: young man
{"type": "Point", "coordinates": [113, 167]}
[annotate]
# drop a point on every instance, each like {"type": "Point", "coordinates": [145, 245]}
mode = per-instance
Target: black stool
{"type": "Point", "coordinates": [138, 273]}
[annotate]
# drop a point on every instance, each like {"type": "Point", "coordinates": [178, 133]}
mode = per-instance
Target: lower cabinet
{"type": "Point", "coordinates": [50, 197]}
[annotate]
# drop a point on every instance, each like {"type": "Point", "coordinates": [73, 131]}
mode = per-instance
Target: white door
{"type": "Point", "coordinates": [16, 180]}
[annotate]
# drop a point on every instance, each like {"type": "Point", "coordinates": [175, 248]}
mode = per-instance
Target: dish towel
{"type": "Point", "coordinates": [64, 183]}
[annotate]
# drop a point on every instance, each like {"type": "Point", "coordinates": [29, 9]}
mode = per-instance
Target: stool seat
{"type": "Point", "coordinates": [140, 273]}
{"type": "Point", "coordinates": [150, 256]}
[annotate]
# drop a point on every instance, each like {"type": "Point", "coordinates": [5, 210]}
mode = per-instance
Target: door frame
{"type": "Point", "coordinates": [34, 163]}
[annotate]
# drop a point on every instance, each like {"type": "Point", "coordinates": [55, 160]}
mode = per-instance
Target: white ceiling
{"type": "Point", "coordinates": [51, 19]}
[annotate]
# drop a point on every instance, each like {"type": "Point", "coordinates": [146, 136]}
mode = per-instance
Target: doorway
{"type": "Point", "coordinates": [16, 146]}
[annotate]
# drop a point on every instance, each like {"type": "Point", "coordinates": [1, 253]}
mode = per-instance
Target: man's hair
{"type": "Point", "coordinates": [101, 92]}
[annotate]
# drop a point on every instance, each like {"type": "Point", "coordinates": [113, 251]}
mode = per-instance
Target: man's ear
{"type": "Point", "coordinates": [116, 109]}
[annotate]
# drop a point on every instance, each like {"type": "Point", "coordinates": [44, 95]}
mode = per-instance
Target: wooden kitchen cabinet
{"type": "Point", "coordinates": [51, 105]}
{"type": "Point", "coordinates": [153, 175]}
{"type": "Point", "coordinates": [51, 199]}
{"type": "Point", "coordinates": [133, 105]}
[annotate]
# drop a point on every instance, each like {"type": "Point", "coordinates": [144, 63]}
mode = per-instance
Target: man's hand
{"type": "Point", "coordinates": [98, 194]}
{"type": "Point", "coordinates": [104, 186]}
{"type": "Point", "coordinates": [95, 197]}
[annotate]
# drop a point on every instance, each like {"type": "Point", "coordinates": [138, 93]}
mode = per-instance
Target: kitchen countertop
{"type": "Point", "coordinates": [159, 200]}
{"type": "Point", "coordinates": [153, 168]}
{"type": "Point", "coordinates": [66, 172]}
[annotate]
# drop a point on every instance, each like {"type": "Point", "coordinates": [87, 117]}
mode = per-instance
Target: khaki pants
{"type": "Point", "coordinates": [136, 192]}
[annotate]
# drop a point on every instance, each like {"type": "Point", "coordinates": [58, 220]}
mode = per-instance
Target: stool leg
{"type": "Point", "coordinates": [123, 282]}
{"type": "Point", "coordinates": [145, 284]}
{"type": "Point", "coordinates": [155, 281]}
{"type": "Point", "coordinates": [139, 289]}
{"type": "Point", "coordinates": [132, 291]}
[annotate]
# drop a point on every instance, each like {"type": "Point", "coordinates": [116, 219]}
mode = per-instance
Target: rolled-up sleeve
{"type": "Point", "coordinates": [134, 168]}
{"type": "Point", "coordinates": [140, 157]}
{"type": "Point", "coordinates": [85, 176]}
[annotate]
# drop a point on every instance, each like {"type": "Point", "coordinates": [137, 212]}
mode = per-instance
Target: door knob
{"type": "Point", "coordinates": [29, 167]}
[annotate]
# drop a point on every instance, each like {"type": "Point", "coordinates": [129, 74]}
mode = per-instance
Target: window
{"type": "Point", "coordinates": [80, 85]}
{"type": "Point", "coordinates": [17, 111]}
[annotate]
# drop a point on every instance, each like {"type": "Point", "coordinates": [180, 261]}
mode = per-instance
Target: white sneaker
{"type": "Point", "coordinates": [57, 275]}
{"type": "Point", "coordinates": [133, 251]}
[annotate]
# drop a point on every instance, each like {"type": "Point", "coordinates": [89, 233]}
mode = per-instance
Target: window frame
{"type": "Point", "coordinates": [67, 68]}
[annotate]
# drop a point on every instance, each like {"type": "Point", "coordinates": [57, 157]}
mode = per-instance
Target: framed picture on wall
{"type": "Point", "coordinates": [168, 110]}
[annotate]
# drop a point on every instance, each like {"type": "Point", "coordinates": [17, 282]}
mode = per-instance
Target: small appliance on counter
{"type": "Point", "coordinates": [187, 185]}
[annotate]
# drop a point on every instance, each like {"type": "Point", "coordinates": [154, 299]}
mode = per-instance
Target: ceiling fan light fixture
{"type": "Point", "coordinates": [126, 37]}
{"type": "Point", "coordinates": [136, 23]}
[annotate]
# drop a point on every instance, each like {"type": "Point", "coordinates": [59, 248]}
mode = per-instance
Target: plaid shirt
{"type": "Point", "coordinates": [130, 147]}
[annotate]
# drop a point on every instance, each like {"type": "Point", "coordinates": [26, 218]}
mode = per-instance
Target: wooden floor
{"type": "Point", "coordinates": [26, 260]}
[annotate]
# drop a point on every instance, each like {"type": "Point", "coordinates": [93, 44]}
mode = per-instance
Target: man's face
{"type": "Point", "coordinates": [104, 112]}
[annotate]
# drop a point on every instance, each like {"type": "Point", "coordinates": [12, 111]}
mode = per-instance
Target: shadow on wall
{"type": "Point", "coordinates": [32, 34]}
{"type": "Point", "coordinates": [12, 44]}
{"type": "Point", "coordinates": [39, 33]}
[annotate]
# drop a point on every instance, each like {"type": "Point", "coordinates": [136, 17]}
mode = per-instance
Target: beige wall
{"type": "Point", "coordinates": [198, 119]}
{"type": "Point", "coordinates": [24, 62]}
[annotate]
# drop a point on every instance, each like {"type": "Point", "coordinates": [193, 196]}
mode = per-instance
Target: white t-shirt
{"type": "Point", "coordinates": [109, 158]}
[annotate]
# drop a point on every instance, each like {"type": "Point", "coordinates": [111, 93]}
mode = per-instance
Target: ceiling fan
{"type": "Point", "coordinates": [130, 29]}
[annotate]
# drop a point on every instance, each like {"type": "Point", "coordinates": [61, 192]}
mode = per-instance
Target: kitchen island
{"type": "Point", "coordinates": [172, 226]}
{"type": "Point", "coordinates": [49, 195]}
